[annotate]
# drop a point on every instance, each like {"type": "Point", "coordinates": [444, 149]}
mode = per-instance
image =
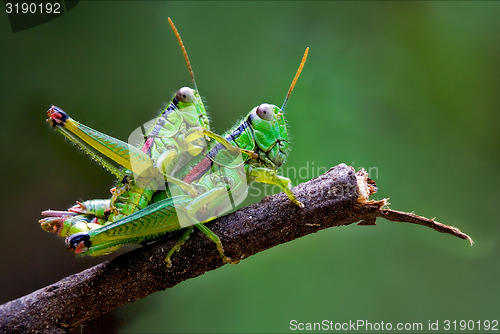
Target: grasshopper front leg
{"type": "Point", "coordinates": [198, 133]}
{"type": "Point", "coordinates": [269, 176]}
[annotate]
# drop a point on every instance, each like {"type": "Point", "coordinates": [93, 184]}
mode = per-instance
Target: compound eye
{"type": "Point", "coordinates": [265, 111]}
{"type": "Point", "coordinates": [185, 94]}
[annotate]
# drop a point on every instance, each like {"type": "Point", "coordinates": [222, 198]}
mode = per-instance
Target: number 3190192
{"type": "Point", "coordinates": [32, 8]}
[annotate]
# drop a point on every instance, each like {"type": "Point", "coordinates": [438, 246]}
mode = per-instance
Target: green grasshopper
{"type": "Point", "coordinates": [169, 135]}
{"type": "Point", "coordinates": [262, 136]}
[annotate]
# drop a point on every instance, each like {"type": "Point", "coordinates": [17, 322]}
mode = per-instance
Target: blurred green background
{"type": "Point", "coordinates": [407, 90]}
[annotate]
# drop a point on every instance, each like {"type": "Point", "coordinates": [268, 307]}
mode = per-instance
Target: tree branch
{"type": "Point", "coordinates": [338, 197]}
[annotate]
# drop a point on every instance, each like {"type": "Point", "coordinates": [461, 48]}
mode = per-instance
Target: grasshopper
{"type": "Point", "coordinates": [254, 148]}
{"type": "Point", "coordinates": [168, 136]}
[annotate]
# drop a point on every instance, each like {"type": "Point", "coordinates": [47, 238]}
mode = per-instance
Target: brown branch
{"type": "Point", "coordinates": [405, 217]}
{"type": "Point", "coordinates": [338, 197]}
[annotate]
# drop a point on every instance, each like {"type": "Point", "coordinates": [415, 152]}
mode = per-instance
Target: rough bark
{"type": "Point", "coordinates": [338, 197]}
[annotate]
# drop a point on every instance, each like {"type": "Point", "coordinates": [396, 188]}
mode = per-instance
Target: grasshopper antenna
{"type": "Point", "coordinates": [184, 52]}
{"type": "Point", "coordinates": [295, 78]}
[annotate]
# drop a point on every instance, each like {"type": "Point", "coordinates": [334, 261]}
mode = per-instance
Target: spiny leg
{"type": "Point", "coordinates": [206, 132]}
{"type": "Point", "coordinates": [103, 148]}
{"type": "Point", "coordinates": [228, 145]}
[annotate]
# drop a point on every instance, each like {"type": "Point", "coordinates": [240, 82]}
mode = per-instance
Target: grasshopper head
{"type": "Point", "coordinates": [186, 95]}
{"type": "Point", "coordinates": [189, 102]}
{"type": "Point", "coordinates": [270, 132]}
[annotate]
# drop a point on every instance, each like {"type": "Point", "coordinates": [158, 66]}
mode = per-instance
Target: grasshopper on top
{"type": "Point", "coordinates": [150, 158]}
